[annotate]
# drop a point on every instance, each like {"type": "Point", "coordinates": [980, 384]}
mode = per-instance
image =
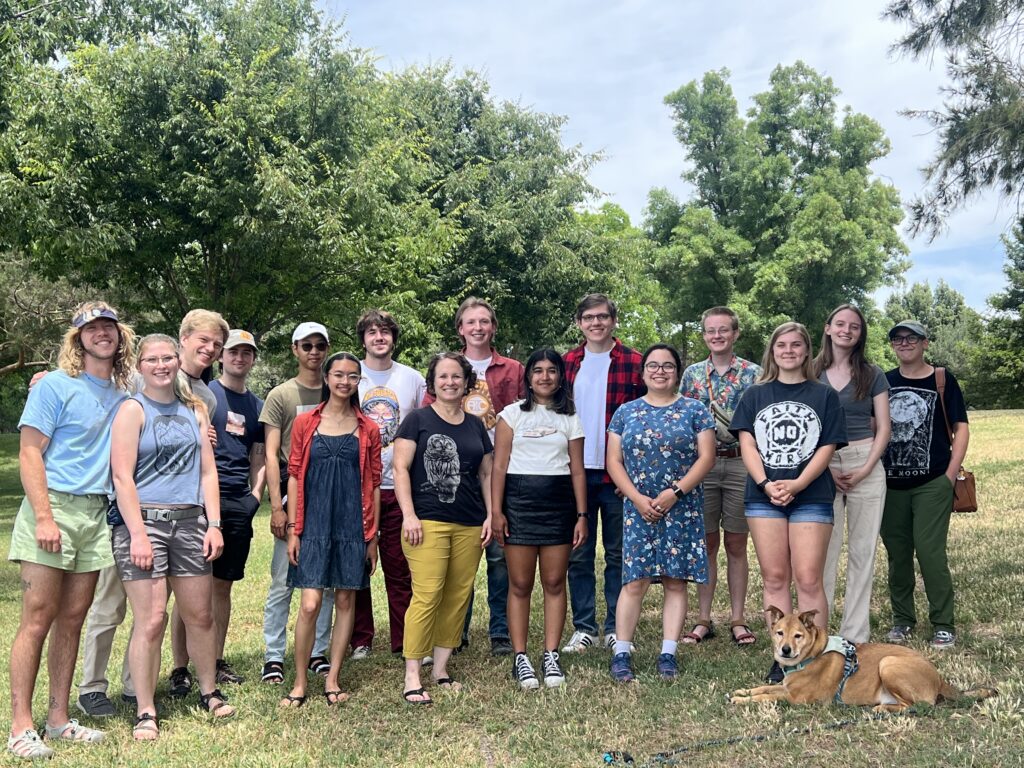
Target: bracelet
{"type": "Point", "coordinates": [289, 527]}
{"type": "Point", "coordinates": [580, 515]}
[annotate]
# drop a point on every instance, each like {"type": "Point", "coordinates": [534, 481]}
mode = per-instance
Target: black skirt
{"type": "Point", "coordinates": [541, 510]}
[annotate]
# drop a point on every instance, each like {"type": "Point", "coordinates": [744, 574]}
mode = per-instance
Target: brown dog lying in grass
{"type": "Point", "coordinates": [889, 677]}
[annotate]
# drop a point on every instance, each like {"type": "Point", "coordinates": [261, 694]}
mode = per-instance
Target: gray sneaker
{"type": "Point", "coordinates": [900, 633]}
{"type": "Point", "coordinates": [943, 639]}
{"type": "Point", "coordinates": [96, 704]}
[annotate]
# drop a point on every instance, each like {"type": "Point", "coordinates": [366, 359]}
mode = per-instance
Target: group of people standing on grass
{"type": "Point", "coordinates": [142, 478]}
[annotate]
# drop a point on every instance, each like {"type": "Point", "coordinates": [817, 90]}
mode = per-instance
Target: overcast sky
{"type": "Point", "coordinates": [608, 66]}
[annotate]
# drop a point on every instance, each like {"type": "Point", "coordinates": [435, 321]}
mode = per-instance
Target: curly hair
{"type": "Point", "coordinates": [71, 359]}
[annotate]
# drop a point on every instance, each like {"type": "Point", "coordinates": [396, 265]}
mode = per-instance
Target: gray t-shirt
{"type": "Point", "coordinates": [858, 413]}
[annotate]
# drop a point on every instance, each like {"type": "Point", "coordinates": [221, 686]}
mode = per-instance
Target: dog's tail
{"type": "Point", "coordinates": [950, 693]}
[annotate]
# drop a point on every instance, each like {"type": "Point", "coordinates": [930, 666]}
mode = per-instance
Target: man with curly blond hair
{"type": "Point", "coordinates": [60, 537]}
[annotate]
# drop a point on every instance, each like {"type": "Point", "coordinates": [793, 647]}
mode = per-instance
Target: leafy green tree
{"type": "Point", "coordinates": [787, 220]}
{"type": "Point", "coordinates": [980, 124]}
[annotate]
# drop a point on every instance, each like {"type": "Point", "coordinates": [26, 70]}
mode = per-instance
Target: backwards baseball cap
{"type": "Point", "coordinates": [237, 338]}
{"type": "Point", "coordinates": [303, 330]}
{"type": "Point", "coordinates": [910, 325]}
{"type": "Point", "coordinates": [93, 313]}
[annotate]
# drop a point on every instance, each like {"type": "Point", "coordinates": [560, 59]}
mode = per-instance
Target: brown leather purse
{"type": "Point", "coordinates": [965, 493]}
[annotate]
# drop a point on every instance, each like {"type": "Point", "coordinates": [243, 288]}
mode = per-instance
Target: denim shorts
{"type": "Point", "coordinates": [794, 513]}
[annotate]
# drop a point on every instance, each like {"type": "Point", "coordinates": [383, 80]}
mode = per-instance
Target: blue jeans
{"type": "Point", "coordinates": [497, 595]}
{"type": "Point", "coordinates": [279, 603]}
{"type": "Point", "coordinates": [601, 497]}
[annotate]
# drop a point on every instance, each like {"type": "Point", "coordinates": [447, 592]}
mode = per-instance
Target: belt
{"type": "Point", "coordinates": [158, 515]}
{"type": "Point", "coordinates": [727, 453]}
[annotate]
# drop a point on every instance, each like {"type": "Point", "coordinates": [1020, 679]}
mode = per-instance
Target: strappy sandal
{"type": "Point", "coordinates": [72, 731]}
{"type": "Point", "coordinates": [745, 638]}
{"type": "Point", "coordinates": [217, 710]}
{"type": "Point", "coordinates": [417, 692]}
{"type": "Point", "coordinates": [146, 727]}
{"type": "Point", "coordinates": [319, 665]}
{"type": "Point", "coordinates": [292, 702]}
{"type": "Point", "coordinates": [692, 638]}
{"type": "Point", "coordinates": [447, 683]}
{"type": "Point", "coordinates": [273, 673]}
{"type": "Point", "coordinates": [28, 745]}
{"type": "Point", "coordinates": [339, 697]}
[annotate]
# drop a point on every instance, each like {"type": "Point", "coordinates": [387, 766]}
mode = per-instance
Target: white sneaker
{"type": "Point", "coordinates": [609, 643]}
{"type": "Point", "coordinates": [522, 673]}
{"type": "Point", "coordinates": [428, 661]}
{"type": "Point", "coordinates": [579, 642]}
{"type": "Point", "coordinates": [553, 674]}
{"type": "Point", "coordinates": [360, 652]}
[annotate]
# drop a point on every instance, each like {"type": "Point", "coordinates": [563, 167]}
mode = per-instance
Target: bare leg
{"type": "Point", "coordinates": [305, 628]}
{"type": "Point", "coordinates": [554, 564]}
{"type": "Point", "coordinates": [40, 588]}
{"type": "Point", "coordinates": [344, 620]}
{"type": "Point", "coordinates": [771, 542]}
{"type": "Point", "coordinates": [674, 611]}
{"type": "Point", "coordinates": [221, 613]}
{"type": "Point", "coordinates": [441, 656]}
{"type": "Point", "coordinates": [522, 567]}
{"type": "Point", "coordinates": [738, 572]}
{"type": "Point", "coordinates": [809, 544]}
{"type": "Point", "coordinates": [706, 592]}
{"type": "Point", "coordinates": [66, 634]}
{"type": "Point", "coordinates": [148, 598]}
{"type": "Point", "coordinates": [192, 596]}
{"type": "Point", "coordinates": [412, 680]}
{"type": "Point", "coordinates": [627, 613]}
{"type": "Point", "coordinates": [179, 644]}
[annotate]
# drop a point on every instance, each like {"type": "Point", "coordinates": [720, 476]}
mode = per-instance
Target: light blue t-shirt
{"type": "Point", "coordinates": [76, 415]}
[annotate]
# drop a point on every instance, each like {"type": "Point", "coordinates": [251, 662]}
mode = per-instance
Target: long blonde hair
{"type": "Point", "coordinates": [71, 358]}
{"type": "Point", "coordinates": [182, 390]}
{"type": "Point", "coordinates": [770, 369]}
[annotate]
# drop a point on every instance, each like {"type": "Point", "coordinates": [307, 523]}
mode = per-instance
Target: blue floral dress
{"type": "Point", "coordinates": [659, 445]}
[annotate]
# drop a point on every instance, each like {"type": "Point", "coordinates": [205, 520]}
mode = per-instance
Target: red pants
{"type": "Point", "coordinates": [397, 580]}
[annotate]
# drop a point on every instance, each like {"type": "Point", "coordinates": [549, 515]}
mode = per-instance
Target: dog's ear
{"type": "Point", "coordinates": [775, 614]}
{"type": "Point", "coordinates": [807, 618]}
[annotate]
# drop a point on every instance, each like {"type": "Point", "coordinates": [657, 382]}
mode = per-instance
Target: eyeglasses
{"type": "Point", "coordinates": [600, 317]}
{"type": "Point", "coordinates": [308, 346]}
{"type": "Point", "coordinates": [911, 340]}
{"type": "Point", "coordinates": [717, 331]}
{"type": "Point", "coordinates": [653, 367]}
{"type": "Point", "coordinates": [158, 360]}
{"type": "Point", "coordinates": [356, 377]}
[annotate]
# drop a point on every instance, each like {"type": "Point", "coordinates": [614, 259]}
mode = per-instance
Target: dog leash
{"type": "Point", "coordinates": [671, 757]}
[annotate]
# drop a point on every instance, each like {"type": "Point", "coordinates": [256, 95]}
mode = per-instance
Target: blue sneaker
{"type": "Point", "coordinates": [668, 667]}
{"type": "Point", "coordinates": [622, 668]}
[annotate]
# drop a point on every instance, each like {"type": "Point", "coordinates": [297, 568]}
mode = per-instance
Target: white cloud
{"type": "Point", "coordinates": [608, 66]}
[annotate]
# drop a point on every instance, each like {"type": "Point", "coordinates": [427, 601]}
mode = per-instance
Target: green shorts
{"type": "Point", "coordinates": [84, 535]}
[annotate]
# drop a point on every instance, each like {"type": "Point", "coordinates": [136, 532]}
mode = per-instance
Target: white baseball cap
{"type": "Point", "coordinates": [304, 330]}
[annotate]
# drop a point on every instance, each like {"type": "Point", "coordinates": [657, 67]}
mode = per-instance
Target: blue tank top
{"type": "Point", "coordinates": [167, 470]}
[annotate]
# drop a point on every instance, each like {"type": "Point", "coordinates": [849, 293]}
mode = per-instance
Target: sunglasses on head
{"type": "Point", "coordinates": [309, 346]}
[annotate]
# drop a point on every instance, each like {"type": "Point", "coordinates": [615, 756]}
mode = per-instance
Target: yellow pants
{"type": "Point", "coordinates": [443, 570]}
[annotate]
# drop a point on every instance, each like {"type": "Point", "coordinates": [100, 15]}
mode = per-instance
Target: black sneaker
{"type": "Point", "coordinates": [96, 704]}
{"type": "Point", "coordinates": [319, 665]}
{"type": "Point", "coordinates": [501, 646]}
{"type": "Point", "coordinates": [181, 683]}
{"type": "Point", "coordinates": [775, 674]}
{"type": "Point", "coordinates": [225, 674]}
{"type": "Point", "coordinates": [129, 700]}
{"type": "Point", "coordinates": [522, 673]}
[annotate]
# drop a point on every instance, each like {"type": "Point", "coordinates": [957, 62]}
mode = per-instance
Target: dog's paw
{"type": "Point", "coordinates": [740, 697]}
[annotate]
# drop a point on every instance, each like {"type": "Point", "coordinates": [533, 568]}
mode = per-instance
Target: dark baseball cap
{"type": "Point", "coordinates": [910, 325]}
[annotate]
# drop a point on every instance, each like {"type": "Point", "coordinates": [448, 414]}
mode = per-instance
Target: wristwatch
{"type": "Point", "coordinates": [213, 523]}
{"type": "Point", "coordinates": [762, 484]}
{"type": "Point", "coordinates": [678, 491]}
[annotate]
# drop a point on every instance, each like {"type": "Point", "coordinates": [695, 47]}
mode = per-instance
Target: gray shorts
{"type": "Point", "coordinates": [724, 487]}
{"type": "Point", "coordinates": [177, 549]}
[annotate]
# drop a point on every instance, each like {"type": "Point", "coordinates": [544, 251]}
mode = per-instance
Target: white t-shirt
{"type": "Point", "coordinates": [387, 397]}
{"type": "Point", "coordinates": [590, 390]}
{"type": "Point", "coordinates": [540, 439]}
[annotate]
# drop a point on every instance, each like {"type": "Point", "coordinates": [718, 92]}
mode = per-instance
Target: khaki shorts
{"type": "Point", "coordinates": [724, 488]}
{"type": "Point", "coordinates": [84, 536]}
{"type": "Point", "coordinates": [177, 549]}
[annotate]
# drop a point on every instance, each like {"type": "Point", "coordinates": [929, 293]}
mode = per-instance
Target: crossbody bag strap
{"type": "Point", "coordinates": [940, 385]}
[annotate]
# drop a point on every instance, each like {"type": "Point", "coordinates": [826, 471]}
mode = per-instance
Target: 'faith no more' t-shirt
{"type": "Point", "coordinates": [444, 472]}
{"type": "Point", "coordinates": [789, 423]}
{"type": "Point", "coordinates": [919, 448]}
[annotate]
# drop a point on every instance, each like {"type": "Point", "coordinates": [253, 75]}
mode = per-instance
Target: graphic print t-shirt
{"type": "Point", "coordinates": [919, 448]}
{"type": "Point", "coordinates": [284, 403]}
{"type": "Point", "coordinates": [386, 398]}
{"type": "Point", "coordinates": [237, 421]}
{"type": "Point", "coordinates": [445, 483]}
{"type": "Point", "coordinates": [478, 401]}
{"type": "Point", "coordinates": [790, 422]}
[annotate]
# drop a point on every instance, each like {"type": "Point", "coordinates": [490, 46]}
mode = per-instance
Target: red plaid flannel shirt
{"type": "Point", "coordinates": [625, 377]}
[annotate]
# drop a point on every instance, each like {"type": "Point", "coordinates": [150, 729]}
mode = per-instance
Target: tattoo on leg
{"type": "Point", "coordinates": [26, 585]}
{"type": "Point", "coordinates": [53, 702]}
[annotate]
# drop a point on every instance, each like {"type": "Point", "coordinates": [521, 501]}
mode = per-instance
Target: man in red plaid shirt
{"type": "Point", "coordinates": [604, 374]}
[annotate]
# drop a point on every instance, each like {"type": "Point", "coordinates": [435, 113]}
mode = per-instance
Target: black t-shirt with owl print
{"type": "Point", "coordinates": [444, 472]}
{"type": "Point", "coordinates": [919, 448]}
{"type": "Point", "coordinates": [790, 422]}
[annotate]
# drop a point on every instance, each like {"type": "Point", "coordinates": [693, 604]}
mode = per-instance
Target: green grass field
{"type": "Point", "coordinates": [491, 723]}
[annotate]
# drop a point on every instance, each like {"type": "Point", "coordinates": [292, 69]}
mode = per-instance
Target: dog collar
{"type": "Point", "coordinates": [835, 644]}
